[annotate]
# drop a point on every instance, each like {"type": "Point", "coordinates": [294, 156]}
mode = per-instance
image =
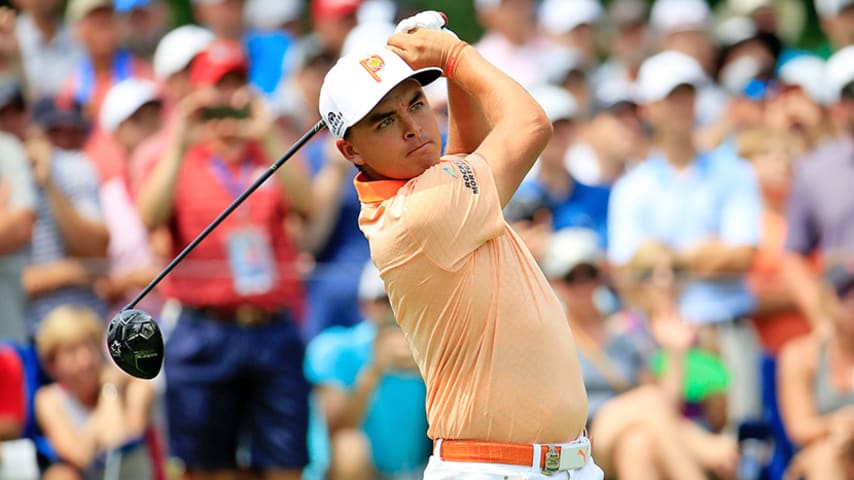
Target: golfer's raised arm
{"type": "Point", "coordinates": [518, 128]}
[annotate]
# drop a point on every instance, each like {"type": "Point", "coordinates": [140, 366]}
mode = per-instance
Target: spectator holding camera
{"type": "Point", "coordinates": [371, 392]}
{"type": "Point", "coordinates": [235, 353]}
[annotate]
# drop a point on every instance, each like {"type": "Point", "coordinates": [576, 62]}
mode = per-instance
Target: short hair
{"type": "Point", "coordinates": [65, 325]}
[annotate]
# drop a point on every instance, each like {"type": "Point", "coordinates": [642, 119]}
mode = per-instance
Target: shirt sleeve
{"type": "Point", "coordinates": [742, 210]}
{"type": "Point", "coordinates": [801, 230]}
{"type": "Point", "coordinates": [453, 209]}
{"type": "Point", "coordinates": [17, 175]}
{"type": "Point", "coordinates": [625, 227]}
{"type": "Point", "coordinates": [81, 185]}
{"type": "Point", "coordinates": [325, 360]}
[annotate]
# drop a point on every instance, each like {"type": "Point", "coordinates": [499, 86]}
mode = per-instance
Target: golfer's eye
{"type": "Point", "coordinates": [388, 121]}
{"type": "Point", "coordinates": [417, 105]}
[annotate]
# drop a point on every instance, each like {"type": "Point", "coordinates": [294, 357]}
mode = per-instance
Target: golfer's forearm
{"type": "Point", "coordinates": [467, 125]}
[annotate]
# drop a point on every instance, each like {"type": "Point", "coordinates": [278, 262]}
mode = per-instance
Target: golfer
{"type": "Point", "coordinates": [505, 398]}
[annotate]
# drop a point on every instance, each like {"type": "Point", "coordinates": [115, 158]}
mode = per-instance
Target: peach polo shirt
{"type": "Point", "coordinates": [488, 333]}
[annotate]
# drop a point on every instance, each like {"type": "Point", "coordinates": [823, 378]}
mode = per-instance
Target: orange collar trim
{"type": "Point", "coordinates": [371, 191]}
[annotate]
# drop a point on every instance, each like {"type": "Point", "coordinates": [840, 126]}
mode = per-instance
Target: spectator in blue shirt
{"type": "Point", "coordinates": [707, 210]}
{"type": "Point", "coordinates": [551, 192]}
{"type": "Point", "coordinates": [371, 392]}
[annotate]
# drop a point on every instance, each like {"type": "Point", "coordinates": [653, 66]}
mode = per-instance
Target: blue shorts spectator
{"type": "Point", "coordinates": [226, 382]}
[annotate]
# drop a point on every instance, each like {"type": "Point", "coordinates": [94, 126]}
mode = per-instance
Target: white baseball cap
{"type": "Point", "coordinates": [806, 72]}
{"type": "Point", "coordinates": [568, 248]}
{"type": "Point", "coordinates": [660, 74]}
{"type": "Point", "coordinates": [556, 102]}
{"type": "Point", "coordinates": [561, 16]}
{"type": "Point", "coordinates": [123, 100]}
{"type": "Point", "coordinates": [840, 71]}
{"type": "Point", "coordinates": [178, 47]}
{"type": "Point", "coordinates": [669, 16]}
{"type": "Point", "coordinates": [371, 286]}
{"type": "Point", "coordinates": [359, 81]}
{"type": "Point", "coordinates": [271, 14]}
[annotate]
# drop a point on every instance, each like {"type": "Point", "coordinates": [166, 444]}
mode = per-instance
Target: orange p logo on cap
{"type": "Point", "coordinates": [372, 65]}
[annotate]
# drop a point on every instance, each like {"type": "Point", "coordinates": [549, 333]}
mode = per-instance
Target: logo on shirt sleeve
{"type": "Point", "coordinates": [468, 176]}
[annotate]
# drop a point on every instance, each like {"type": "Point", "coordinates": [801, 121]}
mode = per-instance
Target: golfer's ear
{"type": "Point", "coordinates": [349, 151]}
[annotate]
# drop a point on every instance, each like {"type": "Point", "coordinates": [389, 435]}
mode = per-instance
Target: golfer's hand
{"type": "Point", "coordinates": [423, 48]}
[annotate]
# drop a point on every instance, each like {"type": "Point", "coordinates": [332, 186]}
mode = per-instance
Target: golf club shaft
{"type": "Point", "coordinates": [225, 213]}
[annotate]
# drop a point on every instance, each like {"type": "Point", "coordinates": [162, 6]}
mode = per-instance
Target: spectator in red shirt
{"type": "Point", "coordinates": [233, 361]}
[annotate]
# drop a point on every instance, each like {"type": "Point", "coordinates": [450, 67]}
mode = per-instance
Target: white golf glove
{"type": "Point", "coordinates": [428, 19]}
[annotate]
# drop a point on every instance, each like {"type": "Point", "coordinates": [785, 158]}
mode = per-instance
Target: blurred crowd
{"type": "Point", "coordinates": [694, 212]}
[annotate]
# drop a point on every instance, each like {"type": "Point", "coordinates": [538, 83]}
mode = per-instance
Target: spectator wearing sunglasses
{"type": "Point", "coordinates": [637, 424]}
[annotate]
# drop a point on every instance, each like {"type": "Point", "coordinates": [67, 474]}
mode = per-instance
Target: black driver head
{"type": "Point", "coordinates": [136, 343]}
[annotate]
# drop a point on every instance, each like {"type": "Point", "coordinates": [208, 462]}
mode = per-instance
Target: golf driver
{"type": "Point", "coordinates": [134, 339]}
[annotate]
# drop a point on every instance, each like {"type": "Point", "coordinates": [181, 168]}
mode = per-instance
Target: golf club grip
{"type": "Point", "coordinates": [225, 213]}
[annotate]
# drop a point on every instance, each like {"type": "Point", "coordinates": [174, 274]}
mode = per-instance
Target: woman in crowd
{"type": "Point", "coordinates": [635, 420]}
{"type": "Point", "coordinates": [94, 416]}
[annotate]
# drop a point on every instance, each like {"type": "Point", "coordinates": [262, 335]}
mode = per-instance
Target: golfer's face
{"type": "Point", "coordinates": [399, 138]}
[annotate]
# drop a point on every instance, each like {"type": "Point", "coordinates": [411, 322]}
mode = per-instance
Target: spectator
{"type": "Point", "coordinates": [371, 391]}
{"type": "Point", "coordinates": [94, 416]}
{"type": "Point", "coordinates": [13, 107]}
{"type": "Point", "coordinates": [573, 25]}
{"type": "Point", "coordinates": [143, 23]}
{"type": "Point", "coordinates": [637, 426]}
{"type": "Point", "coordinates": [13, 413]}
{"type": "Point", "coordinates": [246, 309]}
{"type": "Point", "coordinates": [270, 40]}
{"type": "Point", "coordinates": [611, 141]}
{"type": "Point", "coordinates": [172, 59]}
{"type": "Point", "coordinates": [70, 238]}
{"type": "Point", "coordinates": [223, 17]}
{"type": "Point", "coordinates": [97, 29]}
{"type": "Point", "coordinates": [47, 47]}
{"type": "Point", "coordinates": [130, 114]}
{"type": "Point", "coordinates": [332, 21]}
{"type": "Point", "coordinates": [681, 355]}
{"type": "Point", "coordinates": [820, 207]}
{"type": "Point", "coordinates": [705, 209]}
{"type": "Point", "coordinates": [628, 42]}
{"type": "Point", "coordinates": [553, 194]}
{"type": "Point", "coordinates": [816, 388]}
{"type": "Point", "coordinates": [777, 316]}
{"type": "Point", "coordinates": [17, 216]}
{"type": "Point", "coordinates": [512, 41]}
{"type": "Point", "coordinates": [799, 111]}
{"type": "Point", "coordinates": [837, 21]}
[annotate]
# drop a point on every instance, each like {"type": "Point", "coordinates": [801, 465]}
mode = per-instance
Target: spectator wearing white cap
{"type": "Point", "coordinates": [371, 394]}
{"type": "Point", "coordinates": [799, 110]}
{"type": "Point", "coordinates": [611, 140]}
{"type": "Point", "coordinates": [131, 113]}
{"type": "Point", "coordinates": [512, 41]}
{"type": "Point", "coordinates": [684, 26]}
{"type": "Point", "coordinates": [704, 208]}
{"type": "Point", "coordinates": [273, 27]}
{"type": "Point", "coordinates": [628, 42]}
{"type": "Point", "coordinates": [47, 47]}
{"type": "Point", "coordinates": [821, 205]}
{"type": "Point", "coordinates": [550, 198]}
{"type": "Point", "coordinates": [573, 24]}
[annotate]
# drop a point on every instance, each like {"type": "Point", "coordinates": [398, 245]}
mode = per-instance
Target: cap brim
{"type": "Point", "coordinates": [424, 76]}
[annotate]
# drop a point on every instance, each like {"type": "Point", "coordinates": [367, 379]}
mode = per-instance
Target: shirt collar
{"type": "Point", "coordinates": [371, 191]}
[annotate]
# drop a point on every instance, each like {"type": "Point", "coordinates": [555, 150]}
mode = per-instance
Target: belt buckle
{"type": "Point", "coordinates": [247, 316]}
{"type": "Point", "coordinates": [552, 463]}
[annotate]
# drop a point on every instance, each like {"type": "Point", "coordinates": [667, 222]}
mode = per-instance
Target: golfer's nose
{"type": "Point", "coordinates": [411, 128]}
